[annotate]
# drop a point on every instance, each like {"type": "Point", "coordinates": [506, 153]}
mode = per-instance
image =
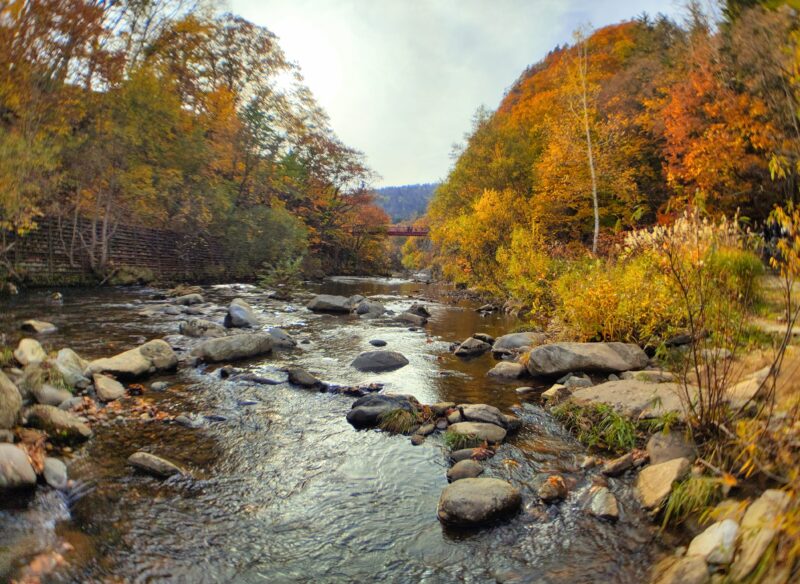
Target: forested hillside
{"type": "Point", "coordinates": [166, 114]}
{"type": "Point", "coordinates": [407, 202]}
{"type": "Point", "coordinates": [652, 115]}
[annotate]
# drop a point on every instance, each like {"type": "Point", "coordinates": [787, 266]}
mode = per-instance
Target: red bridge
{"type": "Point", "coordinates": [393, 230]}
{"type": "Point", "coordinates": [406, 231]}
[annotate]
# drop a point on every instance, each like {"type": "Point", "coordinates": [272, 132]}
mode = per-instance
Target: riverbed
{"type": "Point", "coordinates": [282, 488]}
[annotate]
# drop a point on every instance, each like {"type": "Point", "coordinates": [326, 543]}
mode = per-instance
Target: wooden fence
{"type": "Point", "coordinates": [42, 257]}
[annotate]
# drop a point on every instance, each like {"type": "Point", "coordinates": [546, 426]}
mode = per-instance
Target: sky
{"type": "Point", "coordinates": [401, 79]}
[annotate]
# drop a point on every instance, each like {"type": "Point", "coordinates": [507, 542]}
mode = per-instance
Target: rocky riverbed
{"type": "Point", "coordinates": [264, 456]}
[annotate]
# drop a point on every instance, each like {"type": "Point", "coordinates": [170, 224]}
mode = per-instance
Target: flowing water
{"type": "Point", "coordinates": [282, 488]}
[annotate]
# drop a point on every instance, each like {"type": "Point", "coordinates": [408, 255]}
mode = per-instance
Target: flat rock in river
{"type": "Point", "coordinates": [474, 501]}
{"type": "Point", "coordinates": [153, 356]}
{"type": "Point", "coordinates": [154, 465]}
{"type": "Point", "coordinates": [472, 347]}
{"type": "Point", "coordinates": [483, 413]}
{"type": "Point", "coordinates": [560, 358]}
{"type": "Point", "coordinates": [517, 342]}
{"type": "Point", "coordinates": [367, 411]}
{"type": "Point", "coordinates": [234, 347]}
{"type": "Point", "coordinates": [464, 469]}
{"type": "Point", "coordinates": [60, 426]}
{"type": "Point", "coordinates": [481, 430]}
{"type": "Point", "coordinates": [38, 326]}
{"type": "Point", "coordinates": [329, 303]}
{"type": "Point", "coordinates": [633, 398]}
{"type": "Point", "coordinates": [507, 370]}
{"type": "Point", "coordinates": [376, 361]}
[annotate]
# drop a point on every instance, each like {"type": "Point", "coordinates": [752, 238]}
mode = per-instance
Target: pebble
{"type": "Point", "coordinates": [159, 386]}
{"type": "Point", "coordinates": [417, 439]}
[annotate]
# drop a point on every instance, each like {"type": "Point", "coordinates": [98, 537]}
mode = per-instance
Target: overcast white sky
{"type": "Point", "coordinates": [401, 79]}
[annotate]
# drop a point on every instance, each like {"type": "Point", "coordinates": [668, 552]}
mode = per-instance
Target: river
{"type": "Point", "coordinates": [282, 488]}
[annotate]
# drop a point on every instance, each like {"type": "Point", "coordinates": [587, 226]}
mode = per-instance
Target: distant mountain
{"type": "Point", "coordinates": [405, 202]}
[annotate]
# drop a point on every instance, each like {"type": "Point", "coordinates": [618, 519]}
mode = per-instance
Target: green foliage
{"type": "Point", "coordinates": [738, 271]}
{"type": "Point", "coordinates": [598, 426]}
{"type": "Point", "coordinates": [131, 276]}
{"type": "Point", "coordinates": [630, 301]}
{"type": "Point", "coordinates": [287, 274]}
{"type": "Point", "coordinates": [456, 441]}
{"type": "Point", "coordinates": [261, 236]}
{"type": "Point", "coordinates": [6, 356]}
{"type": "Point", "coordinates": [695, 494]}
{"type": "Point", "coordinates": [398, 421]}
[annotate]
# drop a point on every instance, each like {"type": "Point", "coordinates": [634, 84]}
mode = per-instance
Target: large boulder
{"type": "Point", "coordinates": [107, 388]}
{"type": "Point", "coordinates": [235, 347]}
{"type": "Point", "coordinates": [654, 483]}
{"type": "Point", "coordinates": [59, 425]}
{"type": "Point", "coordinates": [377, 361]}
{"type": "Point", "coordinates": [38, 326]}
{"type": "Point", "coordinates": [71, 367]}
{"type": "Point", "coordinates": [329, 303]}
{"type": "Point", "coordinates": [367, 411]}
{"type": "Point", "coordinates": [197, 327]}
{"type": "Point", "coordinates": [560, 358]}
{"type": "Point", "coordinates": [10, 402]}
{"type": "Point", "coordinates": [29, 351]}
{"type": "Point", "coordinates": [480, 430]}
{"type": "Point", "coordinates": [15, 469]}
{"type": "Point", "coordinates": [474, 501]}
{"type": "Point", "coordinates": [472, 347]}
{"type": "Point", "coordinates": [154, 465]}
{"type": "Point", "coordinates": [153, 356]}
{"type": "Point", "coordinates": [517, 342]}
{"type": "Point", "coordinates": [507, 370]}
{"type": "Point", "coordinates": [241, 315]}
{"type": "Point", "coordinates": [634, 398]}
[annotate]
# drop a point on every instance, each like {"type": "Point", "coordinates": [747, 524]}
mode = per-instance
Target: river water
{"type": "Point", "coordinates": [282, 488]}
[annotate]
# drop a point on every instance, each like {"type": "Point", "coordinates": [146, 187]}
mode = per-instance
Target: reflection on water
{"type": "Point", "coordinates": [284, 490]}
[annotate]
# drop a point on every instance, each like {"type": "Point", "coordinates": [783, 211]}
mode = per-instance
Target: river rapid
{"type": "Point", "coordinates": [282, 488]}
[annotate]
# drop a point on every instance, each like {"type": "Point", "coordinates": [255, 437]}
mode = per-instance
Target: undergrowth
{"type": "Point", "coordinates": [694, 495]}
{"type": "Point", "coordinates": [398, 421]}
{"type": "Point", "coordinates": [456, 441]}
{"type": "Point", "coordinates": [6, 356]}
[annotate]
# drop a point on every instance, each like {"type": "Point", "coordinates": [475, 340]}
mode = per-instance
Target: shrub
{"type": "Point", "coordinates": [398, 421]}
{"type": "Point", "coordinates": [598, 426]}
{"type": "Point", "coordinates": [456, 441]}
{"type": "Point", "coordinates": [629, 301]}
